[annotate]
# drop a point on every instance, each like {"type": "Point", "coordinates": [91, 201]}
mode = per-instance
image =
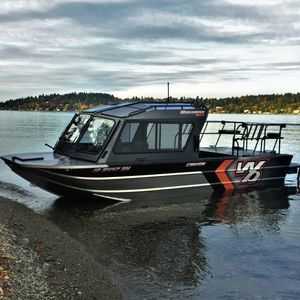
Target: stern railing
{"type": "Point", "coordinates": [246, 134]}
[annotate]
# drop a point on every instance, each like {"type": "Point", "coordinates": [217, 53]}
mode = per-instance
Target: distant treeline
{"type": "Point", "coordinates": [275, 104]}
{"type": "Point", "coordinates": [57, 102]}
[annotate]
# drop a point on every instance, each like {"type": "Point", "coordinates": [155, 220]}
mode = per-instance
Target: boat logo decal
{"type": "Point", "coordinates": [111, 169]}
{"type": "Point", "coordinates": [198, 113]}
{"type": "Point", "coordinates": [196, 164]}
{"type": "Point", "coordinates": [126, 169]}
{"type": "Point", "coordinates": [250, 171]}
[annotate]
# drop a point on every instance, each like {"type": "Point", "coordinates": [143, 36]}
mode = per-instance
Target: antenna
{"type": "Point", "coordinates": [168, 84]}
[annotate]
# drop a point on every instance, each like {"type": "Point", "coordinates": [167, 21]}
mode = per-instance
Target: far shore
{"type": "Point", "coordinates": [212, 113]}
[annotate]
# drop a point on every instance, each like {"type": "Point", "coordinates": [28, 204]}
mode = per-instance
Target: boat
{"type": "Point", "coordinates": [151, 150]}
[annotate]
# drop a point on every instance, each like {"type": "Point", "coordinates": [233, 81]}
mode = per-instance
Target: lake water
{"type": "Point", "coordinates": [240, 245]}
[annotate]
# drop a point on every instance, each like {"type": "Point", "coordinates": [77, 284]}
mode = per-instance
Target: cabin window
{"type": "Point", "coordinates": [141, 137]}
{"type": "Point", "coordinates": [129, 132]}
{"type": "Point", "coordinates": [95, 135]}
{"type": "Point", "coordinates": [75, 129]}
{"type": "Point", "coordinates": [167, 136]}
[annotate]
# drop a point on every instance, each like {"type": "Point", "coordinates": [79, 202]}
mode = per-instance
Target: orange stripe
{"type": "Point", "coordinates": [221, 173]}
{"type": "Point", "coordinates": [220, 213]}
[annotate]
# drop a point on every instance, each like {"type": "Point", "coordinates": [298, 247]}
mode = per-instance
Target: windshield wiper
{"type": "Point", "coordinates": [49, 146]}
{"type": "Point", "coordinates": [59, 149]}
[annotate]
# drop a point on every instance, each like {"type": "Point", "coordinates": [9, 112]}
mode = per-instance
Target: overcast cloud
{"type": "Point", "coordinates": [211, 48]}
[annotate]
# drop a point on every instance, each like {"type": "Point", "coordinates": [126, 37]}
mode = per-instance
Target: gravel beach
{"type": "Point", "coordinates": [39, 261]}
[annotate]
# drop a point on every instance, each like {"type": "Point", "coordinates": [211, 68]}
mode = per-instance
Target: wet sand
{"type": "Point", "coordinates": [40, 261]}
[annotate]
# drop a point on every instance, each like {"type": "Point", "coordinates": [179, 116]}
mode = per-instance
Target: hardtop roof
{"type": "Point", "coordinates": [127, 109]}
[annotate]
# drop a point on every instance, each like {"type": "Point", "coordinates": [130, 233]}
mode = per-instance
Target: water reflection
{"type": "Point", "coordinates": [242, 207]}
{"type": "Point", "coordinates": [160, 251]}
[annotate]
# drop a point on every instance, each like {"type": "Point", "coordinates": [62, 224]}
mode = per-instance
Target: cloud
{"type": "Point", "coordinates": [104, 45]}
{"type": "Point", "coordinates": [8, 6]}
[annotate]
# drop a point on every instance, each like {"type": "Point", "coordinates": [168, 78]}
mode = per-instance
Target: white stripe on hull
{"type": "Point", "coordinates": [131, 190]}
{"type": "Point", "coordinates": [112, 198]}
{"type": "Point", "coordinates": [151, 189]}
{"type": "Point", "coordinates": [126, 177]}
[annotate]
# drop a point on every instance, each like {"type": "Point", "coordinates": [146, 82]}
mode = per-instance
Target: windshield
{"type": "Point", "coordinates": [87, 134]}
{"type": "Point", "coordinates": [75, 129]}
{"type": "Point", "coordinates": [95, 135]}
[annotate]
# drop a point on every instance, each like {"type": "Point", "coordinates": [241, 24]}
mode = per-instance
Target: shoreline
{"type": "Point", "coordinates": [211, 113]}
{"type": "Point", "coordinates": [39, 261]}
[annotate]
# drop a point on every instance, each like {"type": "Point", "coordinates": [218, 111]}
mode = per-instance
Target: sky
{"type": "Point", "coordinates": [205, 48]}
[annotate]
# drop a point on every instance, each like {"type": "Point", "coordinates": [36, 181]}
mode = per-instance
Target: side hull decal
{"type": "Point", "coordinates": [223, 177]}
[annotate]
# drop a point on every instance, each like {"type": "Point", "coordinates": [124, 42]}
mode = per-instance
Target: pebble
{"type": "Point", "coordinates": [27, 275]}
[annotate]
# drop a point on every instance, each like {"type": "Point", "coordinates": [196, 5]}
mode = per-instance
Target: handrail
{"type": "Point", "coordinates": [245, 132]}
{"type": "Point", "coordinates": [250, 123]}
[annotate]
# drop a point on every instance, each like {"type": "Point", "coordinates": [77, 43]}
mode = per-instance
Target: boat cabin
{"type": "Point", "coordinates": [142, 132]}
{"type": "Point", "coordinates": [135, 132]}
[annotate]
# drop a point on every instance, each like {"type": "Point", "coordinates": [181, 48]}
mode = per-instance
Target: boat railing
{"type": "Point", "coordinates": [246, 137]}
{"type": "Point", "coordinates": [169, 106]}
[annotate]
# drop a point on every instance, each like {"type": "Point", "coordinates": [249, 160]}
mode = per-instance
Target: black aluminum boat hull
{"type": "Point", "coordinates": [156, 181]}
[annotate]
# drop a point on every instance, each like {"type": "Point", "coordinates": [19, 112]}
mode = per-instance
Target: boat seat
{"type": "Point", "coordinates": [272, 135]}
{"type": "Point", "coordinates": [228, 131]}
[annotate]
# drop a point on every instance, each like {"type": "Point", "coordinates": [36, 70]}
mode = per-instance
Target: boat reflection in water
{"type": "Point", "coordinates": [169, 250]}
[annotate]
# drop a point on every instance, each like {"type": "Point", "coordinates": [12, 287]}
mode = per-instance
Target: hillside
{"type": "Point", "coordinates": [275, 103]}
{"type": "Point", "coordinates": [57, 102]}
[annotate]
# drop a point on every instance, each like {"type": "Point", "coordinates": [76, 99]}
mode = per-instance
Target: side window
{"type": "Point", "coordinates": [141, 137]}
{"type": "Point", "coordinates": [129, 132]}
{"type": "Point", "coordinates": [151, 136]}
{"type": "Point", "coordinates": [168, 136]}
{"type": "Point", "coordinates": [186, 129]}
{"type": "Point", "coordinates": [132, 138]}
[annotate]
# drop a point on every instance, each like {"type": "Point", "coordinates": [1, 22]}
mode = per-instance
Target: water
{"type": "Point", "coordinates": [240, 245]}
{"type": "Point", "coordinates": [27, 132]}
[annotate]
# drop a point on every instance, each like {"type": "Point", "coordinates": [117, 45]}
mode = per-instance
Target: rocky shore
{"type": "Point", "coordinates": [39, 261]}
